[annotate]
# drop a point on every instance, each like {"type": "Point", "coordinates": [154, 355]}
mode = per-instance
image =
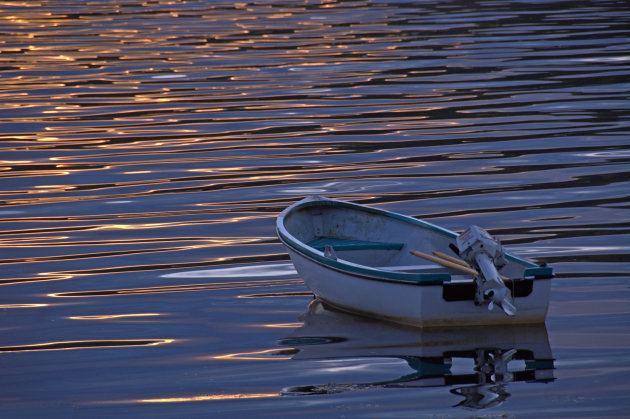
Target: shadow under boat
{"type": "Point", "coordinates": [499, 354]}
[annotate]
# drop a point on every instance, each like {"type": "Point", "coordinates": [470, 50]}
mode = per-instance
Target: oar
{"type": "Point", "coordinates": [449, 261]}
{"type": "Point", "coordinates": [451, 258]}
{"type": "Point", "coordinates": [444, 262]}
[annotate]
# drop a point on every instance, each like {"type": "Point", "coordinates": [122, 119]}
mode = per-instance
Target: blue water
{"type": "Point", "coordinates": [147, 147]}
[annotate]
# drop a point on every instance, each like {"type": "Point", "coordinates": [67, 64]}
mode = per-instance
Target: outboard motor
{"type": "Point", "coordinates": [485, 253]}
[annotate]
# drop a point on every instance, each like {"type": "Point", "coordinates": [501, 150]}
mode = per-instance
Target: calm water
{"type": "Point", "coordinates": [146, 148]}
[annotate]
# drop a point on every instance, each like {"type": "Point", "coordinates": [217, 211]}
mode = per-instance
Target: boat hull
{"type": "Point", "coordinates": [412, 304]}
{"type": "Point", "coordinates": [421, 301]}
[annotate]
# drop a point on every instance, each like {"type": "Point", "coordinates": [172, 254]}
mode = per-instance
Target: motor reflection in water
{"type": "Point", "coordinates": [496, 356]}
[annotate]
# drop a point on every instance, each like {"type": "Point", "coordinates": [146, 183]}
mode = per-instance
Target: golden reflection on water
{"type": "Point", "coordinates": [56, 276]}
{"type": "Point", "coordinates": [284, 325]}
{"type": "Point", "coordinates": [43, 276]}
{"type": "Point", "coordinates": [188, 399]}
{"type": "Point", "coordinates": [5, 306]}
{"type": "Point", "coordinates": [264, 355]}
{"type": "Point", "coordinates": [114, 316]}
{"type": "Point", "coordinates": [180, 288]}
{"type": "Point", "coordinates": [60, 241]}
{"type": "Point", "coordinates": [210, 397]}
{"type": "Point", "coordinates": [85, 344]}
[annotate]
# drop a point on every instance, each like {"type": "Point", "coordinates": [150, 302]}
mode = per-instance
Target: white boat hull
{"type": "Point", "coordinates": [416, 305]}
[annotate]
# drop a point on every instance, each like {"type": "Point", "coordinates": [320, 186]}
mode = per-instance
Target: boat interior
{"type": "Point", "coordinates": [376, 240]}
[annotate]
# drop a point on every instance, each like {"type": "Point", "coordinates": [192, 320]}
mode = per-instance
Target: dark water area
{"type": "Point", "coordinates": [147, 147]}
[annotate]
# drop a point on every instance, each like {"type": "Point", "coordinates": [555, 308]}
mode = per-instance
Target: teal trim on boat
{"type": "Point", "coordinates": [337, 243]}
{"type": "Point", "coordinates": [539, 272]}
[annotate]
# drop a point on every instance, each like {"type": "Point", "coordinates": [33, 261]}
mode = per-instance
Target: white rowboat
{"type": "Point", "coordinates": [358, 259]}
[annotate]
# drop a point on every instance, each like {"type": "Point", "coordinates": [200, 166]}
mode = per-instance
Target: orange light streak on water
{"type": "Point", "coordinates": [114, 316]}
{"type": "Point", "coordinates": [264, 355]}
{"type": "Point", "coordinates": [85, 344]}
{"type": "Point", "coordinates": [210, 397]}
{"type": "Point", "coordinates": [5, 306]}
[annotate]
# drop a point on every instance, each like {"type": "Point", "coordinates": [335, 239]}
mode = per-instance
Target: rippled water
{"type": "Point", "coordinates": [146, 148]}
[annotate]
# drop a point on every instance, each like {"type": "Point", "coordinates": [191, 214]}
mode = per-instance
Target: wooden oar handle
{"type": "Point", "coordinates": [444, 262]}
{"type": "Point", "coordinates": [450, 262]}
{"type": "Point", "coordinates": [451, 258]}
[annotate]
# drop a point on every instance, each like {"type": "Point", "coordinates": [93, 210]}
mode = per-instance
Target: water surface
{"type": "Point", "coordinates": [147, 147]}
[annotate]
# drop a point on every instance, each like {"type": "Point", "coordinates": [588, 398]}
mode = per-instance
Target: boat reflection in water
{"type": "Point", "coordinates": [497, 355]}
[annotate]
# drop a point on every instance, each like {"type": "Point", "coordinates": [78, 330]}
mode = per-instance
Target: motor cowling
{"type": "Point", "coordinates": [485, 253]}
